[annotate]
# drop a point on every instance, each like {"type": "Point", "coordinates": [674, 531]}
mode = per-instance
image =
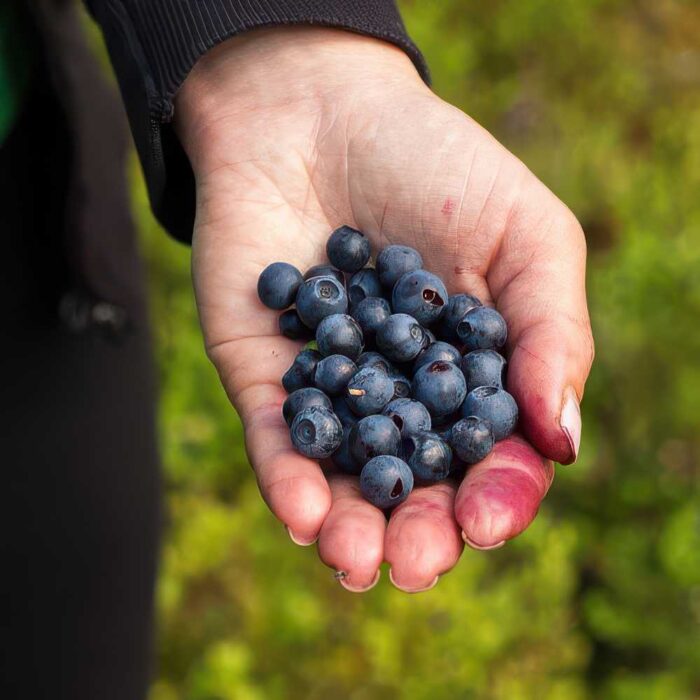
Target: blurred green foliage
{"type": "Point", "coordinates": [600, 598]}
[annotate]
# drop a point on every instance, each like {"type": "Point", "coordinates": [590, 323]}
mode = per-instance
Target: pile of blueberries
{"type": "Point", "coordinates": [406, 383]}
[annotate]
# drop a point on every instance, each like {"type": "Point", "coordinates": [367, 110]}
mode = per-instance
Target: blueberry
{"type": "Point", "coordinates": [409, 416]}
{"type": "Point", "coordinates": [377, 360]}
{"type": "Point", "coordinates": [339, 334]}
{"type": "Point", "coordinates": [430, 336]}
{"type": "Point", "coordinates": [343, 411]}
{"type": "Point", "coordinates": [320, 297]}
{"type": "Point", "coordinates": [363, 284]}
{"type": "Point", "coordinates": [325, 271]}
{"type": "Point", "coordinates": [342, 458]}
{"type": "Point", "coordinates": [291, 326]}
{"type": "Point", "coordinates": [369, 391]}
{"type": "Point", "coordinates": [457, 307]}
{"type": "Point", "coordinates": [482, 328]}
{"type": "Point", "coordinates": [301, 399]}
{"type": "Point", "coordinates": [484, 368]}
{"type": "Point", "coordinates": [373, 436]}
{"type": "Point", "coordinates": [402, 385]}
{"type": "Point", "coordinates": [428, 456]}
{"type": "Point", "coordinates": [386, 481]}
{"type": "Point", "coordinates": [401, 338]}
{"type": "Point", "coordinates": [395, 261]}
{"type": "Point", "coordinates": [437, 351]}
{"type": "Point", "coordinates": [333, 374]}
{"type": "Point", "coordinates": [440, 387]}
{"type": "Point", "coordinates": [472, 439]}
{"type": "Point", "coordinates": [348, 249]}
{"type": "Point", "coordinates": [316, 432]}
{"type": "Point", "coordinates": [420, 294]}
{"type": "Point", "coordinates": [370, 313]}
{"type": "Point", "coordinates": [494, 405]}
{"type": "Point", "coordinates": [301, 373]}
{"type": "Point", "coordinates": [278, 285]}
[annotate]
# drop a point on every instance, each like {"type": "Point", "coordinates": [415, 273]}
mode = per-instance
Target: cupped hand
{"type": "Point", "coordinates": [293, 132]}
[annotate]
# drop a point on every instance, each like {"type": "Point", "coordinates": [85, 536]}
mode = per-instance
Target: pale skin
{"type": "Point", "coordinates": [293, 132]}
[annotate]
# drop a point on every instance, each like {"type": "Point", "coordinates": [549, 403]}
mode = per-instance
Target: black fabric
{"type": "Point", "coordinates": [154, 44]}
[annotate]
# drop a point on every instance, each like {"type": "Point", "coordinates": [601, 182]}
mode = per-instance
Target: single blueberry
{"type": "Point", "coordinates": [324, 271]}
{"type": "Point", "coordinates": [339, 334]}
{"type": "Point", "coordinates": [430, 335]}
{"type": "Point", "coordinates": [420, 294]}
{"type": "Point", "coordinates": [401, 338]}
{"type": "Point", "coordinates": [348, 249]}
{"type": "Point", "coordinates": [302, 399]}
{"type": "Point", "coordinates": [377, 360]}
{"type": "Point", "coordinates": [386, 481]}
{"type": "Point", "coordinates": [278, 285]}
{"type": "Point", "coordinates": [370, 313]}
{"type": "Point", "coordinates": [395, 261]}
{"type": "Point", "coordinates": [482, 328]}
{"type": "Point", "coordinates": [320, 297]}
{"type": "Point", "coordinates": [457, 307]}
{"type": "Point", "coordinates": [428, 456]}
{"type": "Point", "coordinates": [402, 385]}
{"type": "Point", "coordinates": [484, 368]}
{"type": "Point", "coordinates": [437, 351]}
{"type": "Point", "coordinates": [342, 458]}
{"type": "Point", "coordinates": [316, 432]}
{"type": "Point", "coordinates": [472, 439]}
{"type": "Point", "coordinates": [373, 436]}
{"type": "Point", "coordinates": [364, 283]}
{"type": "Point", "coordinates": [440, 387]}
{"type": "Point", "coordinates": [409, 416]}
{"type": "Point", "coordinates": [369, 391]}
{"type": "Point", "coordinates": [301, 373]}
{"type": "Point", "coordinates": [333, 374]}
{"type": "Point", "coordinates": [494, 405]}
{"type": "Point", "coordinates": [343, 411]}
{"type": "Point", "coordinates": [291, 326]}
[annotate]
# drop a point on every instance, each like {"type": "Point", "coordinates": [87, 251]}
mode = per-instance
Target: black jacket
{"type": "Point", "coordinates": [153, 45]}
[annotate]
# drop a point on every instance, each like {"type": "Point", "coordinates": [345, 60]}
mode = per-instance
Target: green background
{"type": "Point", "coordinates": [600, 598]}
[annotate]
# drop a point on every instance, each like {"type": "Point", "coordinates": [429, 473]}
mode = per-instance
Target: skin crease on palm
{"type": "Point", "coordinates": [293, 132]}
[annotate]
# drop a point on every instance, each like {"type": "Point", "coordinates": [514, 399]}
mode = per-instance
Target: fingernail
{"type": "Point", "coordinates": [299, 540]}
{"type": "Point", "coordinates": [343, 580]}
{"type": "Point", "coordinates": [481, 547]}
{"type": "Point", "coordinates": [570, 421]}
{"type": "Point", "coordinates": [432, 584]}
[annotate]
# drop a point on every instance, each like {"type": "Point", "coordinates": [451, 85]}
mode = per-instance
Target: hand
{"type": "Point", "coordinates": [292, 132]}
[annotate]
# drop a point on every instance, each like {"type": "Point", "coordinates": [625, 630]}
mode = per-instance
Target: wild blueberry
{"type": "Point", "coordinates": [395, 261]}
{"type": "Point", "coordinates": [339, 334]}
{"type": "Point", "coordinates": [401, 338]}
{"type": "Point", "coordinates": [457, 307]}
{"type": "Point", "coordinates": [291, 326]}
{"type": "Point", "coordinates": [343, 411]}
{"type": "Point", "coordinates": [364, 283]}
{"type": "Point", "coordinates": [484, 368]}
{"type": "Point", "coordinates": [278, 285]}
{"type": "Point", "coordinates": [301, 399]}
{"type": "Point", "coordinates": [333, 374]}
{"type": "Point", "coordinates": [402, 385]}
{"type": "Point", "coordinates": [301, 373]}
{"type": "Point", "coordinates": [325, 271]}
{"type": "Point", "coordinates": [437, 351]}
{"type": "Point", "coordinates": [494, 405]}
{"type": "Point", "coordinates": [482, 328]}
{"type": "Point", "coordinates": [369, 391]}
{"type": "Point", "coordinates": [342, 458]}
{"type": "Point", "coordinates": [428, 456]}
{"type": "Point", "coordinates": [348, 249]}
{"type": "Point", "coordinates": [440, 387]}
{"type": "Point", "coordinates": [320, 297]}
{"type": "Point", "coordinates": [386, 481]}
{"type": "Point", "coordinates": [377, 360]}
{"type": "Point", "coordinates": [472, 439]}
{"type": "Point", "coordinates": [316, 432]}
{"type": "Point", "coordinates": [373, 436]}
{"type": "Point", "coordinates": [420, 294]}
{"type": "Point", "coordinates": [370, 313]}
{"type": "Point", "coordinates": [408, 415]}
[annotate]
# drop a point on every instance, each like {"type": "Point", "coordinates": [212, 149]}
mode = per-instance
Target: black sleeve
{"type": "Point", "coordinates": [153, 45]}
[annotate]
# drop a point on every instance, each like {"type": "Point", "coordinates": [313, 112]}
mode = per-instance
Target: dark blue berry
{"type": "Point", "coordinates": [420, 294]}
{"type": "Point", "coordinates": [342, 458]}
{"type": "Point", "coordinates": [278, 285]}
{"type": "Point", "coordinates": [428, 456]}
{"type": "Point", "coordinates": [291, 326]}
{"type": "Point", "coordinates": [437, 351]}
{"type": "Point", "coordinates": [401, 338]}
{"type": "Point", "coordinates": [402, 385]}
{"type": "Point", "coordinates": [363, 284]}
{"type": "Point", "coordinates": [377, 360]}
{"type": "Point", "coordinates": [395, 261]}
{"type": "Point", "coordinates": [494, 405]}
{"type": "Point", "coordinates": [370, 313]}
{"type": "Point", "coordinates": [457, 307]}
{"type": "Point", "coordinates": [409, 416]}
{"type": "Point", "coordinates": [348, 249]}
{"type": "Point", "coordinates": [316, 432]}
{"type": "Point", "coordinates": [325, 271]}
{"type": "Point", "coordinates": [369, 391]}
{"type": "Point", "coordinates": [482, 328]}
{"type": "Point", "coordinates": [373, 436]}
{"type": "Point", "coordinates": [339, 334]}
{"type": "Point", "coordinates": [484, 368]}
{"type": "Point", "coordinates": [302, 399]}
{"type": "Point", "coordinates": [301, 373]}
{"type": "Point", "coordinates": [320, 297]}
{"type": "Point", "coordinates": [344, 412]}
{"type": "Point", "coordinates": [472, 439]}
{"type": "Point", "coordinates": [440, 387]}
{"type": "Point", "coordinates": [333, 374]}
{"type": "Point", "coordinates": [386, 481]}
